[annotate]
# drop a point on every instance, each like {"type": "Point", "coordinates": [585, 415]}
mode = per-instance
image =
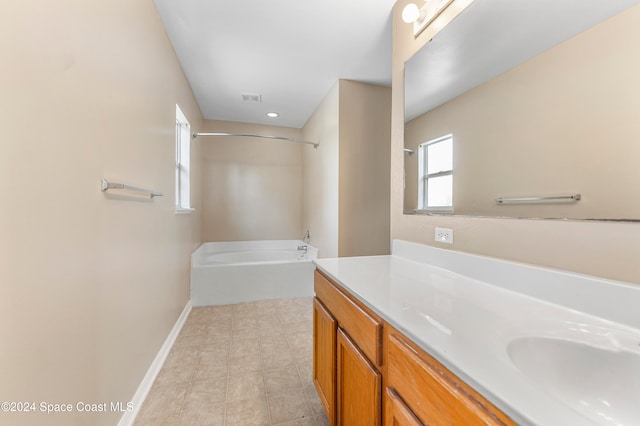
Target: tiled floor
{"type": "Point", "coordinates": [246, 364]}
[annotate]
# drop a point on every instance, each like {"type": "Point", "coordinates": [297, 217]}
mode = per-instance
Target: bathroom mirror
{"type": "Point", "coordinates": [542, 100]}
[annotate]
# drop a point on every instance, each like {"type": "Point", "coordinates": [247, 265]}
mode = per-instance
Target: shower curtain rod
{"type": "Point", "coordinates": [251, 135]}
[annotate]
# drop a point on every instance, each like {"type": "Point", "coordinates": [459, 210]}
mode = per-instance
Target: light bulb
{"type": "Point", "coordinates": [410, 13]}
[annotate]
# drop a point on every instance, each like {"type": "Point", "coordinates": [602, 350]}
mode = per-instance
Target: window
{"type": "Point", "coordinates": [183, 143]}
{"type": "Point", "coordinates": [435, 174]}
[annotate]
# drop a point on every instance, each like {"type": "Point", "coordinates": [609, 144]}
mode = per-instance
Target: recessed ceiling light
{"type": "Point", "coordinates": [273, 115]}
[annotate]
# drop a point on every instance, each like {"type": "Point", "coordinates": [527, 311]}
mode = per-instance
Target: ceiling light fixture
{"type": "Point", "coordinates": [273, 115]}
{"type": "Point", "coordinates": [410, 13]}
{"type": "Point", "coordinates": [423, 16]}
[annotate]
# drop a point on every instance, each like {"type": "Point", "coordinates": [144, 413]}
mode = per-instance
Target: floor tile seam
{"type": "Point", "coordinates": [184, 397]}
{"type": "Point", "coordinates": [189, 333]}
{"type": "Point", "coordinates": [294, 388]}
{"type": "Point", "coordinates": [175, 351]}
{"type": "Point", "coordinates": [288, 339]}
{"type": "Point", "coordinates": [269, 411]}
{"type": "Point", "coordinates": [291, 422]}
{"type": "Point", "coordinates": [295, 360]}
{"type": "Point", "coordinates": [317, 420]}
{"type": "Point", "coordinates": [180, 417]}
{"type": "Point", "coordinates": [261, 370]}
{"type": "Point", "coordinates": [227, 362]}
{"type": "Point", "coordinates": [298, 325]}
{"type": "Point", "coordinates": [215, 405]}
{"type": "Point", "coordinates": [263, 397]}
{"type": "Point", "coordinates": [228, 379]}
{"type": "Point", "coordinates": [277, 319]}
{"type": "Point", "coordinates": [264, 382]}
{"type": "Point", "coordinates": [248, 398]}
{"type": "Point", "coordinates": [308, 407]}
{"type": "Point", "coordinates": [223, 339]}
{"type": "Point", "coordinates": [299, 373]}
{"type": "Point", "coordinates": [196, 379]}
{"type": "Point", "coordinates": [224, 416]}
{"type": "Point", "coordinates": [283, 316]}
{"type": "Point", "coordinates": [219, 324]}
{"type": "Point", "coordinates": [180, 345]}
{"type": "Point", "coordinates": [244, 328]}
{"type": "Point", "coordinates": [306, 395]}
{"type": "Point", "coordinates": [237, 340]}
{"type": "Point", "coordinates": [260, 325]}
{"type": "Point", "coordinates": [220, 313]}
{"type": "Point", "coordinates": [226, 398]}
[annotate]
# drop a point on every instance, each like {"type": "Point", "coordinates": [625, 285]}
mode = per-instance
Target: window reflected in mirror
{"type": "Point", "coordinates": [435, 165]}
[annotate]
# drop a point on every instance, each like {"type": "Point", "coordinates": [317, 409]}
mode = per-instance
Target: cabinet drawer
{"type": "Point", "coordinates": [433, 393]}
{"type": "Point", "coordinates": [364, 327]}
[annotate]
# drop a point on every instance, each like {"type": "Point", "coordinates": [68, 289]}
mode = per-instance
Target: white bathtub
{"type": "Point", "coordinates": [246, 271]}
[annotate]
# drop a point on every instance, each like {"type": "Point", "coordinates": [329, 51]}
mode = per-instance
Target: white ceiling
{"type": "Point", "coordinates": [491, 37]}
{"type": "Point", "coordinates": [289, 51]}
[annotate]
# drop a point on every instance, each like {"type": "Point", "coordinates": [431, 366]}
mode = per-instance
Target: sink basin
{"type": "Point", "coordinates": [602, 383]}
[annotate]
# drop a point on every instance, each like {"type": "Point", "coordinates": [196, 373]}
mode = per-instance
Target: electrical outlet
{"type": "Point", "coordinates": [444, 235]}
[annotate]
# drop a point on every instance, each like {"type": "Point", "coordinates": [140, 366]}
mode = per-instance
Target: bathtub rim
{"type": "Point", "coordinates": [241, 246]}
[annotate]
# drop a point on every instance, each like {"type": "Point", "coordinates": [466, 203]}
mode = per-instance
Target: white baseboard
{"type": "Point", "coordinates": [145, 386]}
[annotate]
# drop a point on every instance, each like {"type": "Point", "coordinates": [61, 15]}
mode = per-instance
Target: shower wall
{"type": "Point", "coordinates": [252, 187]}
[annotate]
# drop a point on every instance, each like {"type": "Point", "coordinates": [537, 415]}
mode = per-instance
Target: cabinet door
{"type": "Point", "coordinates": [359, 383]}
{"type": "Point", "coordinates": [324, 357]}
{"type": "Point", "coordinates": [396, 411]}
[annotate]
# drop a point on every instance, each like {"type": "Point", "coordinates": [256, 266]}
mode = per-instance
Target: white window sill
{"type": "Point", "coordinates": [182, 210]}
{"type": "Point", "coordinates": [434, 211]}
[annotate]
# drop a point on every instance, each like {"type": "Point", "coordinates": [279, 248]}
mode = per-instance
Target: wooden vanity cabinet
{"type": "Point", "coordinates": [347, 348]}
{"type": "Point", "coordinates": [417, 384]}
{"type": "Point", "coordinates": [348, 371]}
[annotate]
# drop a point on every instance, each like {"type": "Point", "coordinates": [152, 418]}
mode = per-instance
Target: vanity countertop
{"type": "Point", "coordinates": [468, 324]}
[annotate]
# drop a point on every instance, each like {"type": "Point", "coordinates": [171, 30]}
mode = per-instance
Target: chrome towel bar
{"type": "Point", "coordinates": [574, 197]}
{"type": "Point", "coordinates": [112, 185]}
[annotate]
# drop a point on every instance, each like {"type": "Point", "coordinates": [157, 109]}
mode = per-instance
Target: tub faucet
{"type": "Point", "coordinates": [302, 248]}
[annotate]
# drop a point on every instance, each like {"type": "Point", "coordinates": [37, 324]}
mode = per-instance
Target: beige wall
{"type": "Point", "coordinates": [90, 283]}
{"type": "Point", "coordinates": [365, 144]}
{"type": "Point", "coordinates": [602, 249]}
{"type": "Point", "coordinates": [564, 122]}
{"type": "Point", "coordinates": [252, 188]}
{"type": "Point", "coordinates": [346, 179]}
{"type": "Point", "coordinates": [320, 175]}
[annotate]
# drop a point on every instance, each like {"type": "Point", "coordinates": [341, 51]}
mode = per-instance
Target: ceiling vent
{"type": "Point", "coordinates": [251, 97]}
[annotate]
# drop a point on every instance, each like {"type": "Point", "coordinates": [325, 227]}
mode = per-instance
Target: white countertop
{"type": "Point", "coordinates": [467, 324]}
